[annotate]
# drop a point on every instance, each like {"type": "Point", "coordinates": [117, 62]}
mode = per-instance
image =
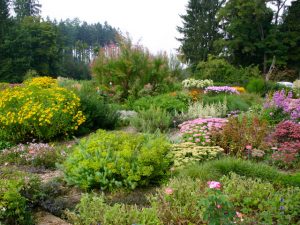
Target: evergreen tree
{"type": "Point", "coordinates": [4, 17]}
{"type": "Point", "coordinates": [246, 25]}
{"type": "Point", "coordinates": [291, 29]}
{"type": "Point", "coordinates": [200, 29]}
{"type": "Point", "coordinates": [25, 8]}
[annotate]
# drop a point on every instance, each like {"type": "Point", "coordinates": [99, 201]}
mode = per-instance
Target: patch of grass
{"type": "Point", "coordinates": [214, 170]}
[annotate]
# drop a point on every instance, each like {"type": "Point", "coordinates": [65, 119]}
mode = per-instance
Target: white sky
{"type": "Point", "coordinates": [152, 22]}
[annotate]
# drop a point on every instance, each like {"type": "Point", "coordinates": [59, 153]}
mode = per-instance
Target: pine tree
{"type": "Point", "coordinates": [25, 8]}
{"type": "Point", "coordinates": [4, 17]}
{"type": "Point", "coordinates": [200, 29]}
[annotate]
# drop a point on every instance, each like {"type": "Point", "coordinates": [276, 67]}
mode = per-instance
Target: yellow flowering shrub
{"type": "Point", "coordinates": [188, 152]}
{"type": "Point", "coordinates": [39, 109]}
{"type": "Point", "coordinates": [240, 89]}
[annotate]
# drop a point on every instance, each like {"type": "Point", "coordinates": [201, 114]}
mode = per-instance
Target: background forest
{"type": "Point", "coordinates": [29, 43]}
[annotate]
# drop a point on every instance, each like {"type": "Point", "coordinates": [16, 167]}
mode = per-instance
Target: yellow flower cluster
{"type": "Point", "coordinates": [240, 89]}
{"type": "Point", "coordinates": [40, 110]}
{"type": "Point", "coordinates": [41, 82]}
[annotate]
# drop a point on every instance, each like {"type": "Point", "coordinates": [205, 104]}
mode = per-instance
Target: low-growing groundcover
{"type": "Point", "coordinates": [233, 199]}
{"type": "Point", "coordinates": [107, 160]}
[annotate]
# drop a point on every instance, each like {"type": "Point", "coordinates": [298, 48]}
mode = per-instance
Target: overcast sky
{"type": "Point", "coordinates": [153, 22]}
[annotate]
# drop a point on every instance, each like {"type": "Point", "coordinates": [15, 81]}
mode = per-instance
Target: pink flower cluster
{"type": "Point", "coordinates": [285, 102]}
{"type": "Point", "coordinates": [199, 130]}
{"type": "Point", "coordinates": [221, 89]}
{"type": "Point", "coordinates": [214, 185]}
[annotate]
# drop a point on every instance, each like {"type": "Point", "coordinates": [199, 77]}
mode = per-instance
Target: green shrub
{"type": "Point", "coordinates": [38, 109]}
{"type": "Point", "coordinates": [152, 119]}
{"type": "Point", "coordinates": [219, 70]}
{"type": "Point", "coordinates": [93, 210]}
{"type": "Point", "coordinates": [128, 68]}
{"type": "Point", "coordinates": [170, 102]}
{"type": "Point", "coordinates": [214, 170]}
{"type": "Point", "coordinates": [99, 114]}
{"type": "Point", "coordinates": [4, 145]}
{"type": "Point", "coordinates": [262, 87]}
{"type": "Point", "coordinates": [108, 160]}
{"type": "Point", "coordinates": [19, 192]}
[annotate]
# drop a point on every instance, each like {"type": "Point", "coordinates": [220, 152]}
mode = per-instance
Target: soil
{"type": "Point", "coordinates": [45, 218]}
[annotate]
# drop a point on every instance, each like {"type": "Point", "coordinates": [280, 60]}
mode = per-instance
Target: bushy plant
{"type": "Point", "coordinates": [285, 143]}
{"type": "Point", "coordinates": [199, 110]}
{"type": "Point", "coordinates": [199, 131]}
{"type": "Point", "coordinates": [238, 133]}
{"type": "Point", "coordinates": [188, 152]}
{"type": "Point", "coordinates": [98, 112]}
{"type": "Point", "coordinates": [93, 210]}
{"type": "Point", "coordinates": [170, 102]}
{"type": "Point", "coordinates": [19, 192]}
{"type": "Point", "coordinates": [108, 160]}
{"type": "Point", "coordinates": [128, 68]}
{"type": "Point", "coordinates": [219, 70]}
{"type": "Point", "coordinates": [38, 109]}
{"type": "Point", "coordinates": [151, 120]}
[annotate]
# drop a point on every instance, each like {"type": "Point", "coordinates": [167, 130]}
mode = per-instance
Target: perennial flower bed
{"type": "Point", "coordinates": [199, 130]}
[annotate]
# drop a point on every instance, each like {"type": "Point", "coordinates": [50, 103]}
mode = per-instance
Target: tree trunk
{"type": "Point", "coordinates": [271, 69]}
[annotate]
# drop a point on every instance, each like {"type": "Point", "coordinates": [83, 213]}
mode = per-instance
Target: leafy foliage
{"type": "Point", "coordinates": [151, 120]}
{"type": "Point", "coordinates": [107, 160]}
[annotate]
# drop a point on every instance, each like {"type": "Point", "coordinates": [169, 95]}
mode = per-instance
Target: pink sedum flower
{"type": "Point", "coordinates": [214, 185]}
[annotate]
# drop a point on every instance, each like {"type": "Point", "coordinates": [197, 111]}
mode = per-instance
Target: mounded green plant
{"type": "Point", "coordinates": [170, 102]}
{"type": "Point", "coordinates": [108, 160]}
{"type": "Point", "coordinates": [151, 119]}
{"type": "Point", "coordinates": [93, 210]}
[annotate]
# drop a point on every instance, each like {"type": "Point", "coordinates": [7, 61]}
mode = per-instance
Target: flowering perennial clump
{"type": "Point", "coordinates": [188, 152]}
{"type": "Point", "coordinates": [221, 90]}
{"type": "Point", "coordinates": [285, 103]}
{"type": "Point", "coordinates": [199, 130]}
{"type": "Point", "coordinates": [193, 83]}
{"type": "Point", "coordinates": [38, 109]}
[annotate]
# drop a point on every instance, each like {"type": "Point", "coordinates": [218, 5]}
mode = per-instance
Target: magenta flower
{"type": "Point", "coordinates": [214, 185]}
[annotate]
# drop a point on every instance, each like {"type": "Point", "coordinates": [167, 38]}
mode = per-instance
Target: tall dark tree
{"type": "Point", "coordinates": [199, 30]}
{"type": "Point", "coordinates": [25, 8]}
{"type": "Point", "coordinates": [4, 17]}
{"type": "Point", "coordinates": [246, 25]}
{"type": "Point", "coordinates": [291, 29]}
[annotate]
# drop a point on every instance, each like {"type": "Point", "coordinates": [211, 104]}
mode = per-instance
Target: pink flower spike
{"type": "Point", "coordinates": [169, 191]}
{"type": "Point", "coordinates": [214, 185]}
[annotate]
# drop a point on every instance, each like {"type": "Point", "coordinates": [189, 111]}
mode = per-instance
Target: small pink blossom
{"type": "Point", "coordinates": [169, 191]}
{"type": "Point", "coordinates": [214, 185]}
{"type": "Point", "coordinates": [197, 140]}
{"type": "Point", "coordinates": [219, 206]}
{"type": "Point", "coordinates": [248, 147]}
